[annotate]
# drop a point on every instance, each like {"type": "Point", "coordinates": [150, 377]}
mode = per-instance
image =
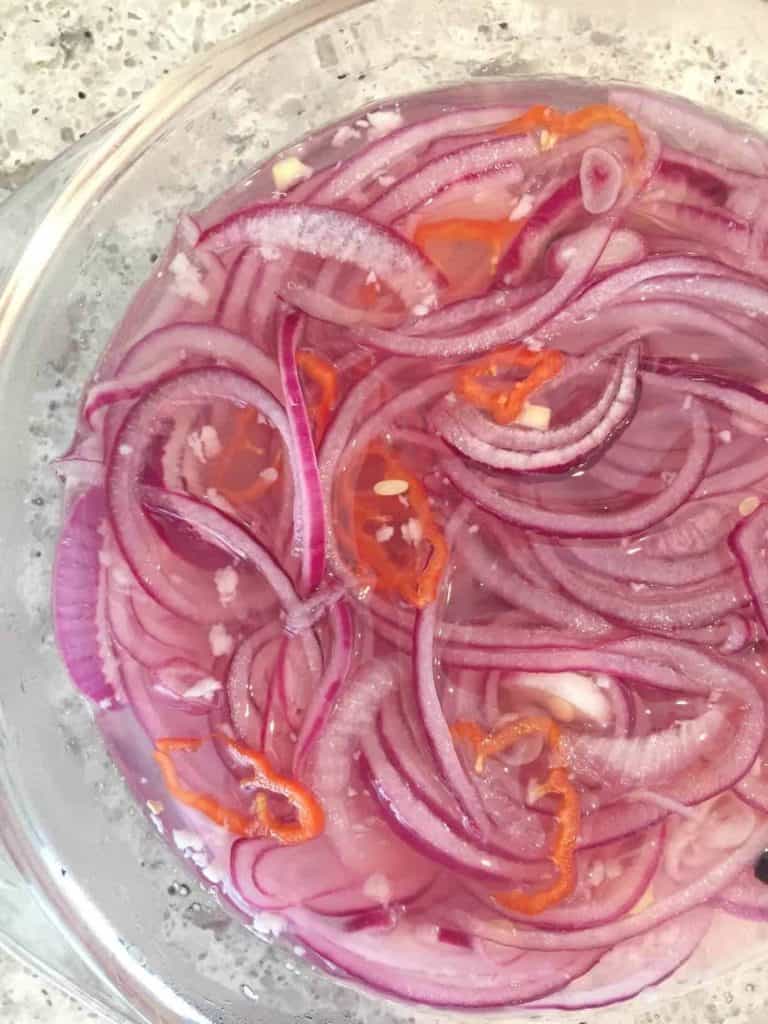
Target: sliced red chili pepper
{"type": "Point", "coordinates": [325, 379]}
{"type": "Point", "coordinates": [241, 444]}
{"type": "Point", "coordinates": [234, 821]}
{"type": "Point", "coordinates": [557, 783]}
{"type": "Point", "coordinates": [505, 403]}
{"type": "Point", "coordinates": [310, 818]}
{"type": "Point", "coordinates": [402, 563]}
{"type": "Point", "coordinates": [560, 124]}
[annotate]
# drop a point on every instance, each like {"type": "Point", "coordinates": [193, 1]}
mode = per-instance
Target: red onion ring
{"type": "Point", "coordinates": [611, 524]}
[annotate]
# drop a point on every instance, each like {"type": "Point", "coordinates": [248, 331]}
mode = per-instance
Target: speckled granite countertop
{"type": "Point", "coordinates": [68, 66]}
{"type": "Point", "coordinates": [65, 68]}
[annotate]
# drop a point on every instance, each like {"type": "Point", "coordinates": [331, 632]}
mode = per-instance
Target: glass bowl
{"type": "Point", "coordinates": [74, 245]}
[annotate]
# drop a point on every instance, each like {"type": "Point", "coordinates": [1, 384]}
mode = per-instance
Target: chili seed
{"type": "Point", "coordinates": [389, 488]}
{"type": "Point", "coordinates": [748, 505]}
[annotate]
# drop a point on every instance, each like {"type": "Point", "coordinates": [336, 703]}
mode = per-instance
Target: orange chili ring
{"type": "Point", "coordinates": [575, 122]}
{"type": "Point", "coordinates": [310, 817]}
{"type": "Point", "coordinates": [235, 822]}
{"type": "Point", "coordinates": [325, 378]}
{"type": "Point", "coordinates": [309, 814]}
{"type": "Point", "coordinates": [505, 404]}
{"type": "Point", "coordinates": [496, 234]}
{"type": "Point", "coordinates": [557, 783]}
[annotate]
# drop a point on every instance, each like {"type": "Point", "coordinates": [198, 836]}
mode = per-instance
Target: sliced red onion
{"type": "Point", "coordinates": [79, 473]}
{"type": "Point", "coordinates": [312, 875]}
{"type": "Point", "coordinates": [555, 210]}
{"type": "Point", "coordinates": [79, 596]}
{"type": "Point", "coordinates": [625, 817]}
{"type": "Point", "coordinates": [746, 713]}
{"type": "Point", "coordinates": [682, 177]}
{"type": "Point", "coordinates": [601, 176]}
{"type": "Point", "coordinates": [458, 315]}
{"type": "Point", "coordinates": [545, 603]}
{"type": "Point", "coordinates": [647, 760]}
{"type": "Point", "coordinates": [746, 897]}
{"type": "Point", "coordinates": [429, 833]}
{"type": "Point", "coordinates": [219, 529]}
{"type": "Point", "coordinates": [600, 898]}
{"type": "Point", "coordinates": [517, 833]}
{"type": "Point", "coordinates": [384, 153]}
{"type": "Point", "coordinates": [695, 842]}
{"type": "Point", "coordinates": [331, 235]}
{"type": "Point", "coordinates": [417, 768]}
{"type": "Point", "coordinates": [157, 622]}
{"type": "Point", "coordinates": [244, 707]}
{"type": "Point", "coordinates": [128, 632]}
{"type": "Point", "coordinates": [609, 658]}
{"type": "Point", "coordinates": [702, 889]}
{"type": "Point", "coordinates": [610, 524]}
{"type": "Point", "coordinates": [243, 277]}
{"type": "Point", "coordinates": [331, 773]}
{"type": "Point", "coordinates": [707, 224]}
{"type": "Point", "coordinates": [382, 919]}
{"type": "Point", "coordinates": [657, 315]}
{"type": "Point", "coordinates": [243, 857]}
{"type": "Point", "coordinates": [736, 479]}
{"type": "Point", "coordinates": [435, 725]}
{"type": "Point", "coordinates": [323, 307]}
{"type": "Point", "coordinates": [605, 292]}
{"type": "Point", "coordinates": [157, 358]}
{"type": "Point", "coordinates": [732, 394]}
{"type": "Point", "coordinates": [431, 178]}
{"type": "Point", "coordinates": [310, 528]}
{"type": "Point", "coordinates": [700, 605]}
{"type": "Point", "coordinates": [165, 350]}
{"type": "Point", "coordinates": [748, 542]}
{"type": "Point", "coordinates": [410, 967]}
{"type": "Point", "coordinates": [624, 247]}
{"type": "Point", "coordinates": [495, 187]}
{"type": "Point", "coordinates": [634, 965]}
{"type": "Point", "coordinates": [679, 120]}
{"type": "Point", "coordinates": [174, 583]}
{"type": "Point", "coordinates": [634, 565]}
{"type": "Point", "coordinates": [700, 532]}
{"type": "Point", "coordinates": [714, 289]}
{"type": "Point", "coordinates": [303, 665]}
{"type": "Point", "coordinates": [565, 455]}
{"type": "Point", "coordinates": [328, 688]}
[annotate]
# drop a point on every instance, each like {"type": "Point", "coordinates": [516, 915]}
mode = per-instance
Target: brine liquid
{"type": "Point", "coordinates": [610, 635]}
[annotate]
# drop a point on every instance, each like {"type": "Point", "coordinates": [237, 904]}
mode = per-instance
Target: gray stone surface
{"type": "Point", "coordinates": [25, 998]}
{"type": "Point", "coordinates": [68, 66]}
